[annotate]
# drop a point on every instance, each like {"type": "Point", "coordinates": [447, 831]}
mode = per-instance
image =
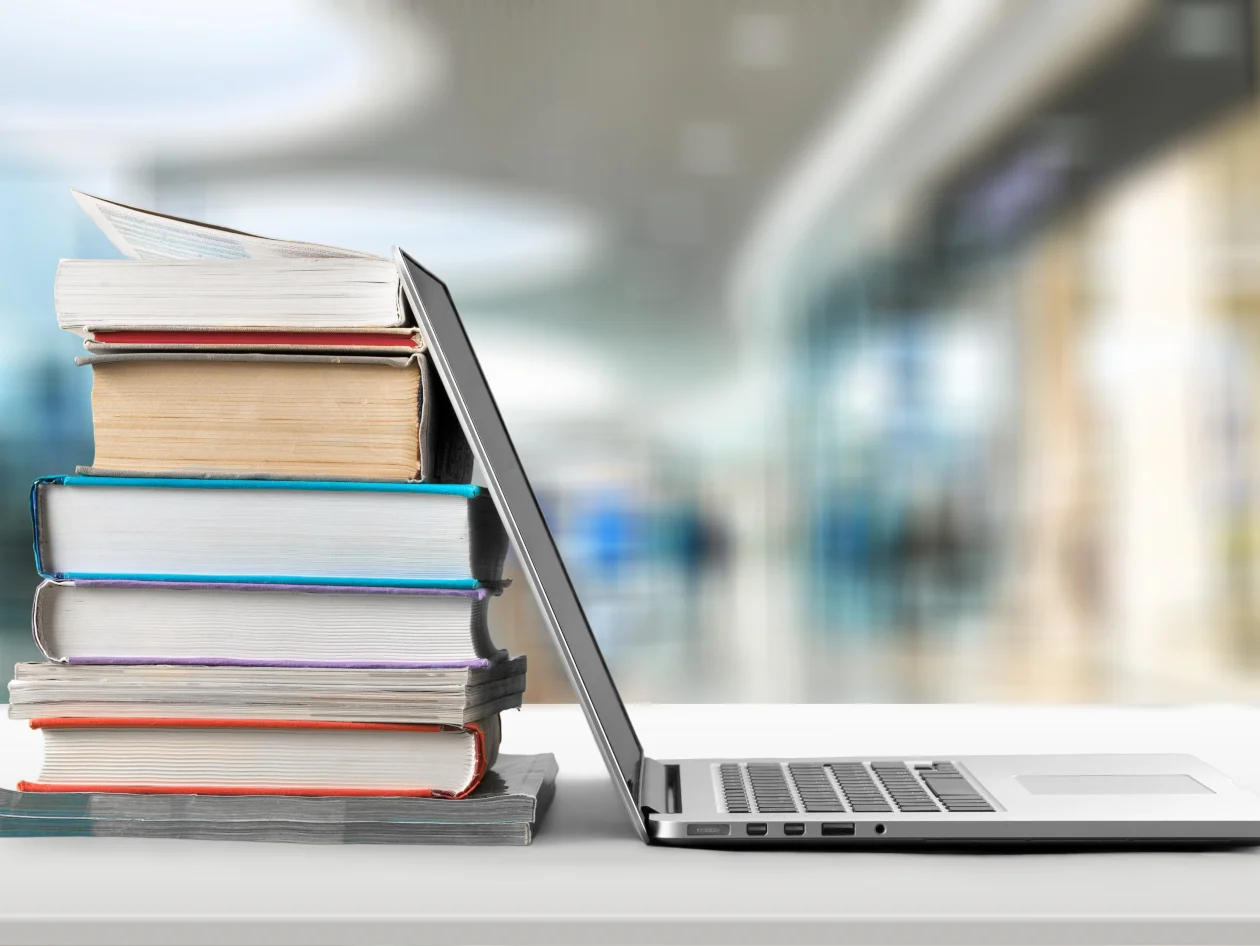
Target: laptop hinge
{"type": "Point", "coordinates": [660, 788]}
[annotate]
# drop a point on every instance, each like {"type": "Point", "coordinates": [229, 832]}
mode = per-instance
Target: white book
{"type": "Point", "coordinates": [448, 695]}
{"type": "Point", "coordinates": [184, 274]}
{"type": "Point", "coordinates": [247, 293]}
{"type": "Point", "coordinates": [261, 624]}
{"type": "Point", "coordinates": [267, 532]}
{"type": "Point", "coordinates": [261, 757]}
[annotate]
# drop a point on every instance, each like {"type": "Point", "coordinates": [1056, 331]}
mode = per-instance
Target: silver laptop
{"type": "Point", "coordinates": [831, 800]}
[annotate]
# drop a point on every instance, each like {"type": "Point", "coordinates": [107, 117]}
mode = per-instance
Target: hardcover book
{"type": "Point", "coordinates": [273, 415]}
{"type": "Point", "coordinates": [279, 532]}
{"type": "Point", "coordinates": [262, 757]}
{"type": "Point", "coordinates": [234, 624]}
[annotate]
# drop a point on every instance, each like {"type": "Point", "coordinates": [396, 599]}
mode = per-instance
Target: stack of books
{"type": "Point", "coordinates": [273, 581]}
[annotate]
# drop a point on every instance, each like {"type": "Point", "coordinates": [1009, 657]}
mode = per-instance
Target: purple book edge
{"type": "Point", "coordinates": [478, 593]}
{"type": "Point", "coordinates": [474, 664]}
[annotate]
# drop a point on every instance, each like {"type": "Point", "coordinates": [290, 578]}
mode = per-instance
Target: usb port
{"type": "Point", "coordinates": [756, 829]}
{"type": "Point", "coordinates": [794, 829]}
{"type": "Point", "coordinates": [837, 829]}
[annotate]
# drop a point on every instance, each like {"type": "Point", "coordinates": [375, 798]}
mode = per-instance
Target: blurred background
{"type": "Point", "coordinates": [859, 351]}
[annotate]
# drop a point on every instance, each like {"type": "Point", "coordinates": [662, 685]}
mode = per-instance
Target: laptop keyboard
{"type": "Point", "coordinates": [858, 787]}
{"type": "Point", "coordinates": [770, 788]}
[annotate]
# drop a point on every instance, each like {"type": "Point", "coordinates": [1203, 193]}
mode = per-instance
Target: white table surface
{"type": "Point", "coordinates": [587, 879]}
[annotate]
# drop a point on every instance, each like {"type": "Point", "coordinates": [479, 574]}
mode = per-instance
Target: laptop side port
{"type": "Point", "coordinates": [756, 829]}
{"type": "Point", "coordinates": [708, 830]}
{"type": "Point", "coordinates": [794, 829]}
{"type": "Point", "coordinates": [838, 829]}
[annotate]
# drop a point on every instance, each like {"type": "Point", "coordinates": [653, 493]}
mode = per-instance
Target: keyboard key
{"type": "Point", "coordinates": [733, 792]}
{"type": "Point", "coordinates": [903, 787]}
{"type": "Point", "coordinates": [954, 791]}
{"type": "Point", "coordinates": [770, 788]}
{"type": "Point", "coordinates": [859, 788]}
{"type": "Point", "coordinates": [922, 788]}
{"type": "Point", "coordinates": [948, 785]}
{"type": "Point", "coordinates": [814, 787]}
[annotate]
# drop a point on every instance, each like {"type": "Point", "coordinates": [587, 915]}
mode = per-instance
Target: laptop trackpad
{"type": "Point", "coordinates": [1112, 785]}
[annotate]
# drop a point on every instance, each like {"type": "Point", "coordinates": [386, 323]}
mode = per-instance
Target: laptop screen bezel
{"type": "Point", "coordinates": [460, 372]}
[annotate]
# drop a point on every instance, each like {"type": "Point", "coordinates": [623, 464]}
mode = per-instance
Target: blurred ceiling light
{"type": "Point", "coordinates": [720, 417]}
{"type": "Point", "coordinates": [967, 377]}
{"type": "Point", "coordinates": [863, 391]}
{"type": "Point", "coordinates": [761, 40]}
{"type": "Point", "coordinates": [483, 243]}
{"type": "Point", "coordinates": [934, 37]}
{"type": "Point", "coordinates": [132, 80]}
{"type": "Point", "coordinates": [953, 74]}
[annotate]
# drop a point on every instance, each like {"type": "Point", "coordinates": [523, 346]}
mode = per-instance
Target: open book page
{"type": "Point", "coordinates": [144, 234]}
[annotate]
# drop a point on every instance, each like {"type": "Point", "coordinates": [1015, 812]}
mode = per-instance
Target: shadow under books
{"type": "Point", "coordinates": [587, 809]}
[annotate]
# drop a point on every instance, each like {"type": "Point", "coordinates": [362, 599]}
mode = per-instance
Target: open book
{"type": "Point", "coordinates": [186, 276]}
{"type": "Point", "coordinates": [149, 235]}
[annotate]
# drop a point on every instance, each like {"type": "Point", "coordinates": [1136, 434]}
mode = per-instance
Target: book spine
{"type": "Point", "coordinates": [488, 545]}
{"type": "Point", "coordinates": [37, 623]}
{"type": "Point", "coordinates": [37, 492]}
{"type": "Point", "coordinates": [445, 454]}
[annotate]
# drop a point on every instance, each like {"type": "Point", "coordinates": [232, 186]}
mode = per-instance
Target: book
{"type": "Point", "coordinates": [270, 587]}
{"type": "Point", "coordinates": [262, 757]}
{"type": "Point", "coordinates": [446, 695]}
{"type": "Point", "coordinates": [273, 415]}
{"type": "Point", "coordinates": [232, 623]}
{"type": "Point", "coordinates": [187, 275]}
{"type": "Point", "coordinates": [507, 807]}
{"type": "Point", "coordinates": [92, 294]}
{"type": "Point", "coordinates": [348, 340]}
{"type": "Point", "coordinates": [183, 274]}
{"type": "Point", "coordinates": [285, 532]}
{"type": "Point", "coordinates": [148, 235]}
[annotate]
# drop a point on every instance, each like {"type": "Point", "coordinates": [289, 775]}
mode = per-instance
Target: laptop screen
{"type": "Point", "coordinates": [460, 372]}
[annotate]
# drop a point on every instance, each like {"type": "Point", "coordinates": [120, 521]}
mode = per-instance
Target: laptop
{"type": "Point", "coordinates": [831, 800]}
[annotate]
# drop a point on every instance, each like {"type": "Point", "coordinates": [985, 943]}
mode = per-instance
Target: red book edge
{"type": "Point", "coordinates": [87, 722]}
{"type": "Point", "coordinates": [248, 339]}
